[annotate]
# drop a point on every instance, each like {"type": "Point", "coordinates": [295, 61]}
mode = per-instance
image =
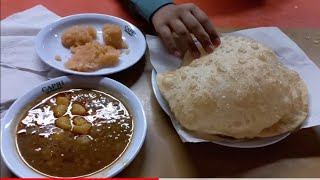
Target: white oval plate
{"type": "Point", "coordinates": [48, 42]}
{"type": "Point", "coordinates": [254, 143]}
{"type": "Point", "coordinates": [9, 123]}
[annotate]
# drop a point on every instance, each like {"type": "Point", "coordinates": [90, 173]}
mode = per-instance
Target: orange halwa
{"type": "Point", "coordinates": [112, 36]}
{"type": "Point", "coordinates": [78, 35]}
{"type": "Point", "coordinates": [58, 58]}
{"type": "Point", "coordinates": [92, 56]}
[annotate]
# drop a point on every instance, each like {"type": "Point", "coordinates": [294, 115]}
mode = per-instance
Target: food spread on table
{"type": "Point", "coordinates": [241, 91]}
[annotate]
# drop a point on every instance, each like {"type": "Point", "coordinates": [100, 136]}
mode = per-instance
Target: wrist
{"type": "Point", "coordinates": [147, 8]}
{"type": "Point", "coordinates": [158, 10]}
{"type": "Point", "coordinates": [154, 15]}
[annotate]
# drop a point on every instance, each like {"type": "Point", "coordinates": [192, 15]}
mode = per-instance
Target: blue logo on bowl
{"type": "Point", "coordinates": [53, 87]}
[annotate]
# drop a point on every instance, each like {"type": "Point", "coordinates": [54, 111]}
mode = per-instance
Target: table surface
{"type": "Point", "coordinates": [164, 155]}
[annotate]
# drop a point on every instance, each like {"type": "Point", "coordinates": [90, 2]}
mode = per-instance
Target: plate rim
{"type": "Point", "coordinates": [41, 34]}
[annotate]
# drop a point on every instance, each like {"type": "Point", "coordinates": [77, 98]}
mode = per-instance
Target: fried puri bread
{"type": "Point", "coordinates": [240, 90]}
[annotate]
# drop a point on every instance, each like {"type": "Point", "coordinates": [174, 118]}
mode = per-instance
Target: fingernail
{"type": "Point", "coordinates": [217, 41]}
{"type": "Point", "coordinates": [209, 48]}
{"type": "Point", "coordinates": [177, 53]}
{"type": "Point", "coordinates": [195, 54]}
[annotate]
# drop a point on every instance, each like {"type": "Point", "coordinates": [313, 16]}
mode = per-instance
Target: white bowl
{"type": "Point", "coordinates": [253, 143]}
{"type": "Point", "coordinates": [48, 42]}
{"type": "Point", "coordinates": [9, 123]}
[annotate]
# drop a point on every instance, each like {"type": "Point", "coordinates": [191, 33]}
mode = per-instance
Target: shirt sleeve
{"type": "Point", "coordinates": [146, 8]}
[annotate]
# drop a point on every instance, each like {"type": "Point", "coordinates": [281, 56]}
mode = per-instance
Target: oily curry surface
{"type": "Point", "coordinates": [74, 133]}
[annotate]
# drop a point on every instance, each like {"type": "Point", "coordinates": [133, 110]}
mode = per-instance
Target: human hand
{"type": "Point", "coordinates": [185, 19]}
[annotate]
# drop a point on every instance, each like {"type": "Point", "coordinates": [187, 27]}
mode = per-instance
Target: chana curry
{"type": "Point", "coordinates": [74, 133]}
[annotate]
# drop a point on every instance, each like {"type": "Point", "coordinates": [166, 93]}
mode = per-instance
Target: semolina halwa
{"type": "Point", "coordinates": [89, 54]}
{"type": "Point", "coordinates": [112, 36]}
{"type": "Point", "coordinates": [92, 56]}
{"type": "Point", "coordinates": [58, 58]}
{"type": "Point", "coordinates": [78, 35]}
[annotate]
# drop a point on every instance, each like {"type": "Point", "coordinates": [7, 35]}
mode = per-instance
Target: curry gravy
{"type": "Point", "coordinates": [74, 133]}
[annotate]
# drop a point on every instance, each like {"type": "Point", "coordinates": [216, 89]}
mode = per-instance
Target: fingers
{"type": "Point", "coordinates": [196, 28]}
{"type": "Point", "coordinates": [185, 19]}
{"type": "Point", "coordinates": [206, 24]}
{"type": "Point", "coordinates": [167, 38]}
{"type": "Point", "coordinates": [181, 30]}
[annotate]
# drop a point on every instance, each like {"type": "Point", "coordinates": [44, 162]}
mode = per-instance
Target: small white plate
{"type": "Point", "coordinates": [9, 123]}
{"type": "Point", "coordinates": [48, 42]}
{"type": "Point", "coordinates": [254, 143]}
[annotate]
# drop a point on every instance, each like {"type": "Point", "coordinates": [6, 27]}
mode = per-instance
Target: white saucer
{"type": "Point", "coordinates": [48, 42]}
